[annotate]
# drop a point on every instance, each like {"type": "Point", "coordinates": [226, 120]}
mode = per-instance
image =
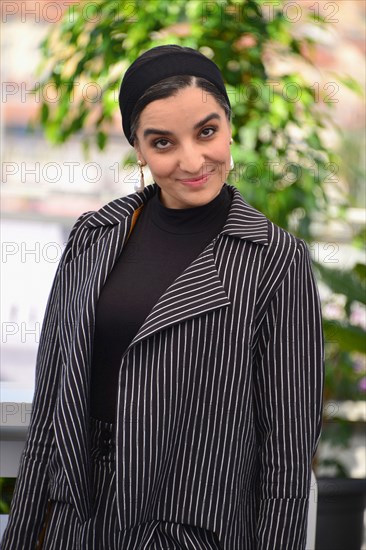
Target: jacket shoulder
{"type": "Point", "coordinates": [76, 236]}
{"type": "Point", "coordinates": [283, 245]}
{"type": "Point", "coordinates": [93, 225]}
{"type": "Point", "coordinates": [282, 250]}
{"type": "Point", "coordinates": [281, 242]}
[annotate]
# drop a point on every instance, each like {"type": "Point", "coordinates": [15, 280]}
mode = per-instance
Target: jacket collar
{"type": "Point", "coordinates": [243, 221]}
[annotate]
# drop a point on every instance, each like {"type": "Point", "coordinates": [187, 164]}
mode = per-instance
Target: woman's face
{"type": "Point", "coordinates": [185, 141]}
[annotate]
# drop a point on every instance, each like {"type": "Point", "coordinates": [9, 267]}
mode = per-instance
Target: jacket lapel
{"type": "Point", "coordinates": [199, 288]}
{"type": "Point", "coordinates": [195, 292]}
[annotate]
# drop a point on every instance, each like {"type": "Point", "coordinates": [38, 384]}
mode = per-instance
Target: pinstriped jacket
{"type": "Point", "coordinates": [219, 393]}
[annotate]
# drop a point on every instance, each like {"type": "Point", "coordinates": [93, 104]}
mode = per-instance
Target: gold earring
{"type": "Point", "coordinates": [140, 185]}
{"type": "Point", "coordinates": [231, 141]}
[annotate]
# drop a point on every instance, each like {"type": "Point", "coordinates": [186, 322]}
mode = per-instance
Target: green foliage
{"type": "Point", "coordinates": [352, 281]}
{"type": "Point", "coordinates": [345, 346]}
{"type": "Point", "coordinates": [6, 493]}
{"type": "Point", "coordinates": [345, 339]}
{"type": "Point", "coordinates": [281, 161]}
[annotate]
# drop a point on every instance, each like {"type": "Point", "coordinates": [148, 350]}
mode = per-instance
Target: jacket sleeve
{"type": "Point", "coordinates": [288, 392]}
{"type": "Point", "coordinates": [29, 501]}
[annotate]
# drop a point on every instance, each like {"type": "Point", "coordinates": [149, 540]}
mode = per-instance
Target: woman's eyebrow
{"type": "Point", "coordinates": [206, 119]}
{"type": "Point", "coordinates": [149, 131]}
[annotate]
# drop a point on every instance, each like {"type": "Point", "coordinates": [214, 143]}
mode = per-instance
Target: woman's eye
{"type": "Point", "coordinates": [207, 132]}
{"type": "Point", "coordinates": [161, 143]}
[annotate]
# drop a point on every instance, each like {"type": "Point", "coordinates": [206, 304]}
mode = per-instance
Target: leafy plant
{"type": "Point", "coordinates": [344, 325]}
{"type": "Point", "coordinates": [282, 164]}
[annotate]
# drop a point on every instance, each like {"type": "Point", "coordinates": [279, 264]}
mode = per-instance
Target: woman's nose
{"type": "Point", "coordinates": [191, 159]}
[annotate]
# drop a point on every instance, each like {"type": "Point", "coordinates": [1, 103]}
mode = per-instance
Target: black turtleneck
{"type": "Point", "coordinates": [162, 244]}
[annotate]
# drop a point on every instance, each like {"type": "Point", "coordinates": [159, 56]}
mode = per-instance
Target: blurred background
{"type": "Point", "coordinates": [295, 74]}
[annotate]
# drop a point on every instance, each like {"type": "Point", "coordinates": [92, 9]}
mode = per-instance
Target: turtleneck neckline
{"type": "Point", "coordinates": [188, 220]}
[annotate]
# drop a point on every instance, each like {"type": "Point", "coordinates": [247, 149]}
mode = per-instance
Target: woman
{"type": "Point", "coordinates": [180, 369]}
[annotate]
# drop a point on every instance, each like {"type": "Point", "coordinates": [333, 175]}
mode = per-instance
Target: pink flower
{"type": "Point", "coordinates": [362, 384]}
{"type": "Point", "coordinates": [358, 316]}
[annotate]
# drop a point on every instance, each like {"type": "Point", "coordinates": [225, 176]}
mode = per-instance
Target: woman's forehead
{"type": "Point", "coordinates": [191, 102]}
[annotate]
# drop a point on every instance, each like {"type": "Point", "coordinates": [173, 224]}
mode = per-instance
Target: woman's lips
{"type": "Point", "coordinates": [195, 181]}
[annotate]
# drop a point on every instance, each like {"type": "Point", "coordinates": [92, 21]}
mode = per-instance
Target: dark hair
{"type": "Point", "coordinates": [170, 87]}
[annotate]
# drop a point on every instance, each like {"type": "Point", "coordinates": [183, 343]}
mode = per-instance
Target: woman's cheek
{"type": "Point", "coordinates": [165, 167]}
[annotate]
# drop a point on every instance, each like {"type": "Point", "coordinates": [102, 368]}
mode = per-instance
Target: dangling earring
{"type": "Point", "coordinates": [232, 165]}
{"type": "Point", "coordinates": [140, 185]}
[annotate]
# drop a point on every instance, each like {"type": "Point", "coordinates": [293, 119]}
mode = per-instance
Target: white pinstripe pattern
{"type": "Point", "coordinates": [219, 394]}
{"type": "Point", "coordinates": [101, 530]}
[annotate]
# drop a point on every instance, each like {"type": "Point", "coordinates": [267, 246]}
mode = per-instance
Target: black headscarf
{"type": "Point", "coordinates": [157, 64]}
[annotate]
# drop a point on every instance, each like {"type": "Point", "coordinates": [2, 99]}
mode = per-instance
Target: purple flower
{"type": "Point", "coordinates": [359, 365]}
{"type": "Point", "coordinates": [362, 384]}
